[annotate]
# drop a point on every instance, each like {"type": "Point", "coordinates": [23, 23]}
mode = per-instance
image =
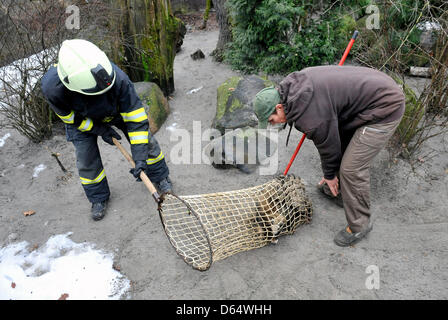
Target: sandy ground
{"type": "Point", "coordinates": [408, 245]}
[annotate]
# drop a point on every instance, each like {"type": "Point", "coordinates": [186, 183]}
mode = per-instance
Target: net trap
{"type": "Point", "coordinates": [211, 227]}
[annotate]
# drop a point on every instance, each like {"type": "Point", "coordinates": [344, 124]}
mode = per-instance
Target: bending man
{"type": "Point", "coordinates": [349, 113]}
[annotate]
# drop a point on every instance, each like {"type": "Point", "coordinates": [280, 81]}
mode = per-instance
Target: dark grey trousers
{"type": "Point", "coordinates": [90, 166]}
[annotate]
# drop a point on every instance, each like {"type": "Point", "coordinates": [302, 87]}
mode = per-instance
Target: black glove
{"type": "Point", "coordinates": [140, 166]}
{"type": "Point", "coordinates": [107, 133]}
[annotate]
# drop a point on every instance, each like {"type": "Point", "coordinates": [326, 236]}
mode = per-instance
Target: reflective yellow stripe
{"type": "Point", "coordinates": [155, 160]}
{"type": "Point", "coordinates": [138, 137]}
{"type": "Point", "coordinates": [98, 179]}
{"type": "Point", "coordinates": [107, 119]}
{"type": "Point", "coordinates": [86, 125]}
{"type": "Point", "coordinates": [69, 119]}
{"type": "Point", "coordinates": [135, 116]}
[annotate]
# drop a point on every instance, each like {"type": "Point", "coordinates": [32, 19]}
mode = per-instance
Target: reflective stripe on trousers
{"type": "Point", "coordinates": [90, 166]}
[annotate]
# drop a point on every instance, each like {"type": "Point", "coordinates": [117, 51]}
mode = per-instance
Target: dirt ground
{"type": "Point", "coordinates": [408, 245]}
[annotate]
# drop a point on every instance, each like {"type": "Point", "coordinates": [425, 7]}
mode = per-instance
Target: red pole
{"type": "Point", "coordinates": [349, 47]}
{"type": "Point", "coordinates": [294, 155]}
{"type": "Point", "coordinates": [344, 56]}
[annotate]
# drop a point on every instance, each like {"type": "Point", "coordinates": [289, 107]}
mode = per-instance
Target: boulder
{"type": "Point", "coordinates": [429, 33]}
{"type": "Point", "coordinates": [243, 148]}
{"type": "Point", "coordinates": [234, 106]}
{"type": "Point", "coordinates": [235, 111]}
{"type": "Point", "coordinates": [198, 54]}
{"type": "Point", "coordinates": [155, 103]}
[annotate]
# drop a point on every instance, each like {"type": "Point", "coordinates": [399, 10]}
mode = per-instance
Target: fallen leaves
{"type": "Point", "coordinates": [29, 213]}
{"type": "Point", "coordinates": [64, 296]}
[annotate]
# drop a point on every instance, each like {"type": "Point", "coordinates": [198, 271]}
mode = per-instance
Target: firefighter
{"type": "Point", "coordinates": [349, 113]}
{"type": "Point", "coordinates": [91, 95]}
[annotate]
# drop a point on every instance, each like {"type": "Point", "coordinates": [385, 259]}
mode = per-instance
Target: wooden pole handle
{"type": "Point", "coordinates": [143, 175]}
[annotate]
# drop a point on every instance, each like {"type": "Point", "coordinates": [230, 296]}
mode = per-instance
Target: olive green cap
{"type": "Point", "coordinates": [264, 105]}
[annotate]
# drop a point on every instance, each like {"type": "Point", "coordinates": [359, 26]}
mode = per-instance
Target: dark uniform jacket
{"type": "Point", "coordinates": [88, 113]}
{"type": "Point", "coordinates": [328, 103]}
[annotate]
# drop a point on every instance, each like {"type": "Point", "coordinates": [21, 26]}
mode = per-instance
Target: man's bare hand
{"type": "Point", "coordinates": [333, 184]}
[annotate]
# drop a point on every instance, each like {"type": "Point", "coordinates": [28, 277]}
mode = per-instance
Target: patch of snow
{"type": "Point", "coordinates": [31, 67]}
{"type": "Point", "coordinates": [194, 90]}
{"type": "Point", "coordinates": [13, 76]}
{"type": "Point", "coordinates": [172, 127]}
{"type": "Point", "coordinates": [60, 268]}
{"type": "Point", "coordinates": [3, 139]}
{"type": "Point", "coordinates": [38, 170]}
{"type": "Point", "coordinates": [429, 26]}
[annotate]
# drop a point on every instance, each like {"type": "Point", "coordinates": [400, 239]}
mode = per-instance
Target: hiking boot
{"type": "Point", "coordinates": [325, 190]}
{"type": "Point", "coordinates": [164, 185]}
{"type": "Point", "coordinates": [99, 210]}
{"type": "Point", "coordinates": [347, 238]}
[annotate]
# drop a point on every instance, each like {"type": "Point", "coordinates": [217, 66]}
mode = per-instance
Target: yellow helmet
{"type": "Point", "coordinates": [84, 68]}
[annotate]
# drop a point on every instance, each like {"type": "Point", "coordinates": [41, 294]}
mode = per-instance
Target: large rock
{"type": "Point", "coordinates": [155, 103]}
{"type": "Point", "coordinates": [429, 34]}
{"type": "Point", "coordinates": [235, 111]}
{"type": "Point", "coordinates": [234, 105]}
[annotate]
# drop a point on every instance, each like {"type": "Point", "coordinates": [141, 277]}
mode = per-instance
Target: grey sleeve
{"type": "Point", "coordinates": [328, 143]}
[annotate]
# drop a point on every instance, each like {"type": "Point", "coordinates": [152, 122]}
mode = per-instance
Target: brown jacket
{"type": "Point", "coordinates": [328, 103]}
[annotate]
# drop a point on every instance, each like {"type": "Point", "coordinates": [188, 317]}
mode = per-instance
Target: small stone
{"type": "Point", "coordinates": [13, 237]}
{"type": "Point", "coordinates": [198, 54]}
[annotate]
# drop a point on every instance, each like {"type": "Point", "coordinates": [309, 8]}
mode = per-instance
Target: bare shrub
{"type": "Point", "coordinates": [431, 115]}
{"type": "Point", "coordinates": [31, 34]}
{"type": "Point", "coordinates": [405, 39]}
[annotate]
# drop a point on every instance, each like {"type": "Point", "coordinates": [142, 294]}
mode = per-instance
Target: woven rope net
{"type": "Point", "coordinates": [210, 227]}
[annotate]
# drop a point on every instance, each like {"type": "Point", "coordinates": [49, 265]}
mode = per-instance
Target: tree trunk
{"type": "Point", "coordinates": [208, 5]}
{"type": "Point", "coordinates": [146, 42]}
{"type": "Point", "coordinates": [225, 32]}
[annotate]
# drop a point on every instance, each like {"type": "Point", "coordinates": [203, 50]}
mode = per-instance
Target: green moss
{"type": "Point", "coordinates": [224, 92]}
{"type": "Point", "coordinates": [369, 36]}
{"type": "Point", "coordinates": [158, 114]}
{"type": "Point", "coordinates": [156, 108]}
{"type": "Point", "coordinates": [155, 43]}
{"type": "Point", "coordinates": [208, 5]}
{"type": "Point", "coordinates": [235, 104]}
{"type": "Point", "coordinates": [347, 25]}
{"type": "Point", "coordinates": [413, 114]}
{"type": "Point", "coordinates": [268, 83]}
